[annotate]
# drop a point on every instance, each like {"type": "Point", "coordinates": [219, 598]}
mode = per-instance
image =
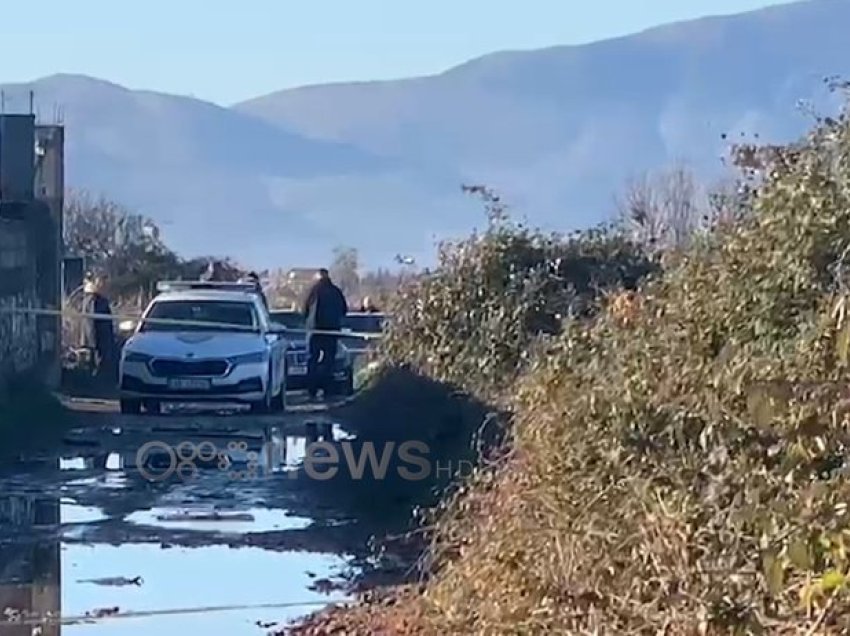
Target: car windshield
{"type": "Point", "coordinates": [219, 316]}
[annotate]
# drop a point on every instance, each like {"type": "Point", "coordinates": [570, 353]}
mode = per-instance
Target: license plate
{"type": "Point", "coordinates": [189, 384]}
{"type": "Point", "coordinates": [297, 370]}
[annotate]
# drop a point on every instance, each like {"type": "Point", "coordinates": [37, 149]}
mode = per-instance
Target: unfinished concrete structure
{"type": "Point", "coordinates": [31, 199]}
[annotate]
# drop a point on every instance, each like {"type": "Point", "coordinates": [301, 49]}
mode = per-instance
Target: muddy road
{"type": "Point", "coordinates": [185, 521]}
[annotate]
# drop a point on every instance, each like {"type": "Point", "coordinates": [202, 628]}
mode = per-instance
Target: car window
{"type": "Point", "coordinates": [228, 314]}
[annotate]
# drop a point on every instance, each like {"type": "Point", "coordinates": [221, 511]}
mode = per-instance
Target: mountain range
{"type": "Point", "coordinates": [281, 179]}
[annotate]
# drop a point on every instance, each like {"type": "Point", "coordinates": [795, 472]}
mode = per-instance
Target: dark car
{"type": "Point", "coordinates": [370, 323]}
{"type": "Point", "coordinates": [297, 355]}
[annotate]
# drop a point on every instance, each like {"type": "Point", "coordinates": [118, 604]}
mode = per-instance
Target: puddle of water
{"type": "Point", "coordinates": [107, 480]}
{"type": "Point", "coordinates": [264, 520]}
{"type": "Point", "coordinates": [340, 434]}
{"type": "Point", "coordinates": [194, 408]}
{"type": "Point", "coordinates": [186, 578]}
{"type": "Point", "coordinates": [113, 461]}
{"type": "Point", "coordinates": [70, 512]}
{"type": "Point", "coordinates": [75, 463]}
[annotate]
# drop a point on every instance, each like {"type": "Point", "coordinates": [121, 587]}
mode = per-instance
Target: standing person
{"type": "Point", "coordinates": [99, 333]}
{"type": "Point", "coordinates": [367, 306]}
{"type": "Point", "coordinates": [324, 310]}
{"type": "Point", "coordinates": [254, 279]}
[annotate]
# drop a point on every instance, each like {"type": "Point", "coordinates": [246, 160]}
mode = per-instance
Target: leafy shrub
{"type": "Point", "coordinates": [683, 472]}
{"type": "Point", "coordinates": [678, 463]}
{"type": "Point", "coordinates": [474, 320]}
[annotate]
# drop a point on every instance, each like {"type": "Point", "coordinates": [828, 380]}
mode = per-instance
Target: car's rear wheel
{"type": "Point", "coordinates": [131, 407]}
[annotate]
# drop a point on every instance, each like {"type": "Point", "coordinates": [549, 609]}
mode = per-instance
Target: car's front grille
{"type": "Point", "coordinates": [169, 368]}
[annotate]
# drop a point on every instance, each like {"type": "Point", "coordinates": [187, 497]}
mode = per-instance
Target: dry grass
{"type": "Point", "coordinates": [678, 462]}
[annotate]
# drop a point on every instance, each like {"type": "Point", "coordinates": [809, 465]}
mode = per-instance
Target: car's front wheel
{"type": "Point", "coordinates": [278, 403]}
{"type": "Point", "coordinates": [265, 405]}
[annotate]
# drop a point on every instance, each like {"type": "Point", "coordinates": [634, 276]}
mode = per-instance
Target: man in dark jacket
{"type": "Point", "coordinates": [324, 310]}
{"type": "Point", "coordinates": [99, 333]}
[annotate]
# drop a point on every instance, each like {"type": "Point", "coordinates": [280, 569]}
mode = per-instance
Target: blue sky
{"type": "Point", "coordinates": [226, 51]}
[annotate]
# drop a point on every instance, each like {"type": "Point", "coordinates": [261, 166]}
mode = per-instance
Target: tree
{"type": "Point", "coordinates": [126, 246]}
{"type": "Point", "coordinates": [665, 210]}
{"type": "Point", "coordinates": [101, 230]}
{"type": "Point", "coordinates": [381, 285]}
{"type": "Point", "coordinates": [344, 270]}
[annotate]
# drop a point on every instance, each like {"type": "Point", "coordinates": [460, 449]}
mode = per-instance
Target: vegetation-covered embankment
{"type": "Point", "coordinates": [676, 463]}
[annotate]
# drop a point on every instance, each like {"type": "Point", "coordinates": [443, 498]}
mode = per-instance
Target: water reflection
{"type": "Point", "coordinates": [71, 554]}
{"type": "Point", "coordinates": [30, 573]}
{"type": "Point", "coordinates": [102, 461]}
{"type": "Point", "coordinates": [273, 451]}
{"type": "Point", "coordinates": [205, 518]}
{"type": "Point", "coordinates": [182, 578]}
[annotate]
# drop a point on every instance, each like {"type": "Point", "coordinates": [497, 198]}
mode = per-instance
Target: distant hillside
{"type": "Point", "coordinates": [558, 130]}
{"type": "Point", "coordinates": [284, 178]}
{"type": "Point", "coordinates": [220, 181]}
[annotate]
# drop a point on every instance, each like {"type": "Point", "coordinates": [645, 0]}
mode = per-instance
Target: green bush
{"type": "Point", "coordinates": [686, 472]}
{"type": "Point", "coordinates": [683, 471]}
{"type": "Point", "coordinates": [475, 319]}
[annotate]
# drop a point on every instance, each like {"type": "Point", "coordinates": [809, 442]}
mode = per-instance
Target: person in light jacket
{"type": "Point", "coordinates": [99, 332]}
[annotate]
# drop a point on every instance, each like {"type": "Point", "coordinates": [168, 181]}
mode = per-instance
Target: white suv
{"type": "Point", "coordinates": [197, 345]}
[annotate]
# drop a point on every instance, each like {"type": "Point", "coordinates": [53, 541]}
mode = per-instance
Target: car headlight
{"type": "Point", "coordinates": [135, 356]}
{"type": "Point", "coordinates": [250, 358]}
{"type": "Point", "coordinates": [126, 325]}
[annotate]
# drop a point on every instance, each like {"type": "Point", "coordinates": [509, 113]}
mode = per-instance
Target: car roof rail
{"type": "Point", "coordinates": [182, 285]}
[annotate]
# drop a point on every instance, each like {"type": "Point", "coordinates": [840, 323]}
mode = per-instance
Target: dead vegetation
{"type": "Point", "coordinates": [677, 461]}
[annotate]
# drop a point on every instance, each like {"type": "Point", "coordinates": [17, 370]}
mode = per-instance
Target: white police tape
{"type": "Point", "coordinates": [276, 327]}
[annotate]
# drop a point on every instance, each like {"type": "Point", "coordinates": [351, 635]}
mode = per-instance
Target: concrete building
{"type": "Point", "coordinates": [31, 199]}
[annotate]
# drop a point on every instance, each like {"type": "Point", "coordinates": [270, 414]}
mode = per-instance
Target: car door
{"type": "Point", "coordinates": [277, 350]}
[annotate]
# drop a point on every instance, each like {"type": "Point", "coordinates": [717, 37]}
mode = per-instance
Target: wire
{"type": "Point", "coordinates": [90, 618]}
{"type": "Point", "coordinates": [188, 323]}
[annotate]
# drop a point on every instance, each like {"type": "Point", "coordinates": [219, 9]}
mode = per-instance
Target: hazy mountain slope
{"type": "Point", "coordinates": [218, 180]}
{"type": "Point", "coordinates": [558, 130]}
{"type": "Point", "coordinates": [284, 178]}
